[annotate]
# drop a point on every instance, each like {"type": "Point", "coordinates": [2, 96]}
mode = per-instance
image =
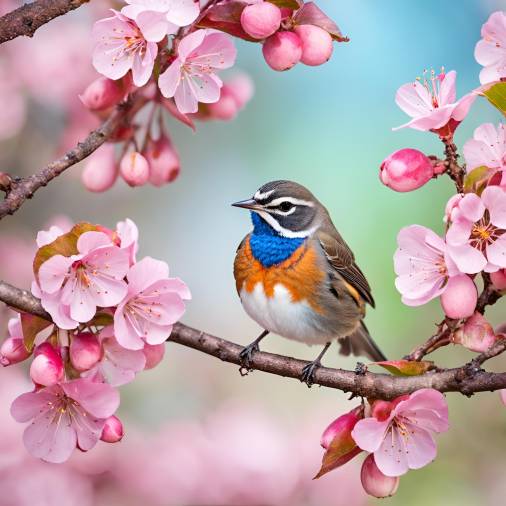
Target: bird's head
{"type": "Point", "coordinates": [289, 209]}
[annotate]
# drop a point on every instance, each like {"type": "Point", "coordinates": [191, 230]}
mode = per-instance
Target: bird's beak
{"type": "Point", "coordinates": [248, 204]}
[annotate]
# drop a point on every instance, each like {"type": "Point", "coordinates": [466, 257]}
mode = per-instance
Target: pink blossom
{"type": "Point", "coordinates": [406, 170]}
{"type": "Point", "coordinates": [47, 366]}
{"type": "Point", "coordinates": [490, 51]}
{"type": "Point", "coordinates": [92, 278]}
{"type": "Point", "coordinates": [476, 334]}
{"type": "Point", "coordinates": [153, 304]}
{"type": "Point", "coordinates": [84, 351]}
{"type": "Point", "coordinates": [128, 234]}
{"type": "Point", "coordinates": [103, 93]}
{"type": "Point", "coordinates": [282, 51]}
{"type": "Point", "coordinates": [64, 416]}
{"type": "Point", "coordinates": [154, 354]}
{"type": "Point", "coordinates": [191, 77]}
{"type": "Point", "coordinates": [163, 160]}
{"type": "Point", "coordinates": [402, 439]}
{"type": "Point", "coordinates": [117, 366]}
{"type": "Point", "coordinates": [375, 483]}
{"type": "Point", "coordinates": [260, 20]}
{"type": "Point", "coordinates": [120, 47]}
{"type": "Point", "coordinates": [113, 430]}
{"type": "Point", "coordinates": [158, 18]}
{"type": "Point", "coordinates": [45, 237]}
{"type": "Point", "coordinates": [432, 103]}
{"type": "Point", "coordinates": [486, 148]}
{"type": "Point", "coordinates": [422, 265]}
{"type": "Point", "coordinates": [316, 44]}
{"type": "Point", "coordinates": [100, 171]}
{"type": "Point", "coordinates": [460, 297]}
{"type": "Point", "coordinates": [13, 349]}
{"type": "Point", "coordinates": [475, 239]}
{"type": "Point", "coordinates": [134, 168]}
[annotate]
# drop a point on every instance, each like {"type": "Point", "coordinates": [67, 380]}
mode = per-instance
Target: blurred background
{"type": "Point", "coordinates": [197, 433]}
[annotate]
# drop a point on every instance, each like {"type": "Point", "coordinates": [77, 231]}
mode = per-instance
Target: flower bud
{"type": "Point", "coordinates": [476, 334]}
{"type": "Point", "coordinates": [113, 430]}
{"type": "Point", "coordinates": [261, 20]}
{"type": "Point", "coordinates": [282, 50]}
{"type": "Point", "coordinates": [134, 169]}
{"type": "Point", "coordinates": [452, 204]}
{"type": "Point", "coordinates": [406, 170]}
{"type": "Point", "coordinates": [102, 93]}
{"type": "Point", "coordinates": [85, 351]}
{"type": "Point", "coordinates": [100, 171]}
{"type": "Point", "coordinates": [499, 279]}
{"type": "Point", "coordinates": [226, 108]}
{"type": "Point", "coordinates": [375, 483]}
{"type": "Point", "coordinates": [242, 88]}
{"type": "Point", "coordinates": [47, 367]}
{"type": "Point", "coordinates": [316, 44]}
{"type": "Point", "coordinates": [154, 354]}
{"type": "Point", "coordinates": [13, 351]}
{"type": "Point", "coordinates": [163, 161]}
{"type": "Point", "coordinates": [460, 297]}
{"type": "Point", "coordinates": [341, 427]}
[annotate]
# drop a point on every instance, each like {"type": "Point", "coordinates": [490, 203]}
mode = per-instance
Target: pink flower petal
{"type": "Point", "coordinates": [92, 240]}
{"type": "Point", "coordinates": [391, 457]}
{"type": "Point", "coordinates": [153, 25]}
{"type": "Point", "coordinates": [28, 406]}
{"type": "Point", "coordinates": [125, 332]}
{"type": "Point", "coordinates": [496, 252]}
{"type": "Point", "coordinates": [169, 81]}
{"type": "Point", "coordinates": [447, 92]}
{"type": "Point", "coordinates": [472, 207]}
{"type": "Point", "coordinates": [217, 50]}
{"type": "Point", "coordinates": [459, 231]}
{"type": "Point", "coordinates": [145, 273]}
{"type": "Point", "coordinates": [183, 12]}
{"type": "Point", "coordinates": [468, 259]}
{"type": "Point", "coordinates": [494, 198]}
{"type": "Point", "coordinates": [412, 100]}
{"type": "Point", "coordinates": [190, 43]}
{"type": "Point", "coordinates": [52, 273]}
{"type": "Point", "coordinates": [99, 399]}
{"type": "Point", "coordinates": [369, 433]}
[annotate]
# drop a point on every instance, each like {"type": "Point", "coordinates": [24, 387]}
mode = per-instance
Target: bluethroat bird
{"type": "Point", "coordinates": [297, 277]}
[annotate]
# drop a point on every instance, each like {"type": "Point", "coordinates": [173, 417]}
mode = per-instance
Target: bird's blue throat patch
{"type": "Point", "coordinates": [267, 246]}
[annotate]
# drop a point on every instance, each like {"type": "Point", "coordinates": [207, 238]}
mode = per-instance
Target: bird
{"type": "Point", "coordinates": [297, 278]}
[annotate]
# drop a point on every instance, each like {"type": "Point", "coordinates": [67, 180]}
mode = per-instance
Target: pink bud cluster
{"type": "Point", "coordinates": [111, 317]}
{"type": "Point", "coordinates": [167, 56]}
{"type": "Point", "coordinates": [396, 434]}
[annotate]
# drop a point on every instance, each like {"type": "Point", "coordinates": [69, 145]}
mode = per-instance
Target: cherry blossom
{"type": "Point", "coordinates": [158, 18]}
{"type": "Point", "coordinates": [154, 302]}
{"type": "Point", "coordinates": [400, 433]}
{"type": "Point", "coordinates": [64, 416]}
{"type": "Point", "coordinates": [92, 278]}
{"type": "Point", "coordinates": [422, 265]}
{"type": "Point", "coordinates": [191, 77]}
{"type": "Point", "coordinates": [120, 47]}
{"type": "Point", "coordinates": [486, 148]}
{"type": "Point", "coordinates": [13, 349]}
{"type": "Point", "coordinates": [432, 102]}
{"type": "Point", "coordinates": [490, 51]}
{"type": "Point", "coordinates": [475, 239]}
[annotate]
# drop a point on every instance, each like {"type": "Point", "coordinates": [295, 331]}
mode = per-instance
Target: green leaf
{"type": "Point", "coordinates": [31, 326]}
{"type": "Point", "coordinates": [65, 245]}
{"type": "Point", "coordinates": [477, 179]}
{"type": "Point", "coordinates": [496, 95]}
{"type": "Point", "coordinates": [406, 367]}
{"type": "Point", "coordinates": [101, 320]}
{"type": "Point", "coordinates": [289, 4]}
{"type": "Point", "coordinates": [311, 14]}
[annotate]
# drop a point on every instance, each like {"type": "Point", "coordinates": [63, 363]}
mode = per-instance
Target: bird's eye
{"type": "Point", "coordinates": [285, 206]}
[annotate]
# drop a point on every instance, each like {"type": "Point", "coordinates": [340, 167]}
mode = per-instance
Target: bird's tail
{"type": "Point", "coordinates": [361, 344]}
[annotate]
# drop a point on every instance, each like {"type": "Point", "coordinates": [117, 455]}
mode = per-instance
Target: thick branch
{"type": "Point", "coordinates": [21, 189]}
{"type": "Point", "coordinates": [30, 17]}
{"type": "Point", "coordinates": [466, 380]}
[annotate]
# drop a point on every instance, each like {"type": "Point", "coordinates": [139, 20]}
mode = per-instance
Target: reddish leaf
{"type": "Point", "coordinates": [227, 18]}
{"type": "Point", "coordinates": [174, 111]}
{"type": "Point", "coordinates": [289, 4]}
{"type": "Point", "coordinates": [65, 245]}
{"type": "Point", "coordinates": [477, 179]}
{"type": "Point", "coordinates": [101, 320]}
{"type": "Point", "coordinates": [31, 326]}
{"type": "Point", "coordinates": [311, 14]}
{"type": "Point", "coordinates": [406, 367]}
{"type": "Point", "coordinates": [340, 451]}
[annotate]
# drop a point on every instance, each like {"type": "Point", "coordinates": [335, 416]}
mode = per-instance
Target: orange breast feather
{"type": "Point", "coordinates": [300, 274]}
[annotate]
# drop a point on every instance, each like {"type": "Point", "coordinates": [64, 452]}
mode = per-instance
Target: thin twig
{"type": "Point", "coordinates": [28, 18]}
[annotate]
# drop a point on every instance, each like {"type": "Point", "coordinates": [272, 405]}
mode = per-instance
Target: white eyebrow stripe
{"type": "Point", "coordinates": [261, 196]}
{"type": "Point", "coordinates": [292, 200]}
{"type": "Point", "coordinates": [301, 234]}
{"type": "Point", "coordinates": [283, 213]}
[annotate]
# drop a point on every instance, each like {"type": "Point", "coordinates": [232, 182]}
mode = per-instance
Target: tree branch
{"type": "Point", "coordinates": [27, 19]}
{"type": "Point", "coordinates": [19, 189]}
{"type": "Point", "coordinates": [467, 379]}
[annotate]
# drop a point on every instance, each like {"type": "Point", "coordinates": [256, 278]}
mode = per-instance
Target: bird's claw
{"type": "Point", "coordinates": [246, 356]}
{"type": "Point", "coordinates": [308, 372]}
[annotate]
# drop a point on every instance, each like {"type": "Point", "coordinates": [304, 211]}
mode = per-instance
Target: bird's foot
{"type": "Point", "coordinates": [246, 356]}
{"type": "Point", "coordinates": [308, 372]}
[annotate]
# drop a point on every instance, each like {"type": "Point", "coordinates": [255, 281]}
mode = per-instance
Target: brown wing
{"type": "Point", "coordinates": [342, 260]}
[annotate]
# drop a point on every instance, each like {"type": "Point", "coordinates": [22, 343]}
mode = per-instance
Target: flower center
{"type": "Point", "coordinates": [484, 233]}
{"type": "Point", "coordinates": [432, 84]}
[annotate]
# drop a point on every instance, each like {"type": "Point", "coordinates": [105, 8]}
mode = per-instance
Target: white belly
{"type": "Point", "coordinates": [278, 314]}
